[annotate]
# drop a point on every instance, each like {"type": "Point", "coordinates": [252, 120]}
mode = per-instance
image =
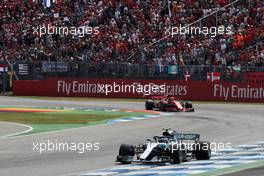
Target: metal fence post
{"type": "Point", "coordinates": [4, 80]}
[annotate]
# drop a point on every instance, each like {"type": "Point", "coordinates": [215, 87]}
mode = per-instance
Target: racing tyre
{"type": "Point", "coordinates": [177, 156]}
{"type": "Point", "coordinates": [188, 105]}
{"type": "Point", "coordinates": [163, 107]}
{"type": "Point", "coordinates": [126, 154]}
{"type": "Point", "coordinates": [149, 105]}
{"type": "Point", "coordinates": [203, 151]}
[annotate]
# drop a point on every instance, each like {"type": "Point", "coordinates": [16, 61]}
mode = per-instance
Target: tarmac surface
{"type": "Point", "coordinates": [220, 123]}
{"type": "Point", "coordinates": [7, 129]}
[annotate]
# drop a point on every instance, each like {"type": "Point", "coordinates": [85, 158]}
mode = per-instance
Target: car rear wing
{"type": "Point", "coordinates": [157, 97]}
{"type": "Point", "coordinates": [183, 136]}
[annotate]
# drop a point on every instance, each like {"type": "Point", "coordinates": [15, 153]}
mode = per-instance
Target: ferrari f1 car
{"type": "Point", "coordinates": [168, 103]}
{"type": "Point", "coordinates": [170, 147]}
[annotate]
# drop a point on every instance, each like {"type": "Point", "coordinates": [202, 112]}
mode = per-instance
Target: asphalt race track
{"type": "Point", "coordinates": [7, 129]}
{"type": "Point", "coordinates": [234, 123]}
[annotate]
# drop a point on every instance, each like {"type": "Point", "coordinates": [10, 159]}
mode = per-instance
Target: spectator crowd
{"type": "Point", "coordinates": [133, 31]}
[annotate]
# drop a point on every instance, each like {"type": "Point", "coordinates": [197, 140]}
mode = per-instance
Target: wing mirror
{"type": "Point", "coordinates": [149, 140]}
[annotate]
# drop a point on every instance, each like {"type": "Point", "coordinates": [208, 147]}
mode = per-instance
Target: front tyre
{"type": "Point", "coordinates": [188, 105]}
{"type": "Point", "coordinates": [177, 156]}
{"type": "Point", "coordinates": [202, 150]}
{"type": "Point", "coordinates": [149, 105]}
{"type": "Point", "coordinates": [126, 154]}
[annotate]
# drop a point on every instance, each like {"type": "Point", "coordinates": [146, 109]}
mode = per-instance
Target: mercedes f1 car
{"type": "Point", "coordinates": [168, 103]}
{"type": "Point", "coordinates": [169, 147]}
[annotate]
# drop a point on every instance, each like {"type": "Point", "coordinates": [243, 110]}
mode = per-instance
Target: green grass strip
{"type": "Point", "coordinates": [53, 121]}
{"type": "Point", "coordinates": [54, 118]}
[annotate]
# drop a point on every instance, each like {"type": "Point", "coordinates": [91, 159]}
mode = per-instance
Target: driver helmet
{"type": "Point", "coordinates": [171, 98]}
{"type": "Point", "coordinates": [167, 132]}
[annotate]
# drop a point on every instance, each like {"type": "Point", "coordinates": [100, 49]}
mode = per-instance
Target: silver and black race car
{"type": "Point", "coordinates": [169, 147]}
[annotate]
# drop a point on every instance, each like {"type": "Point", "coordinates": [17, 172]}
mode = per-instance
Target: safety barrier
{"type": "Point", "coordinates": [128, 88]}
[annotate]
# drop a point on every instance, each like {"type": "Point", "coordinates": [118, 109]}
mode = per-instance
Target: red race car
{"type": "Point", "coordinates": [168, 103]}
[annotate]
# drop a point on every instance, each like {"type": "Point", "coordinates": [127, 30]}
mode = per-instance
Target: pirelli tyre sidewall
{"type": "Point", "coordinates": [202, 150]}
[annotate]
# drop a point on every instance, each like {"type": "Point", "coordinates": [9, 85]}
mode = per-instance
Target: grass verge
{"type": "Point", "coordinates": [83, 99]}
{"type": "Point", "coordinates": [53, 121]}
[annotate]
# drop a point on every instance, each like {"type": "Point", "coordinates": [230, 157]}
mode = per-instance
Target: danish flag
{"type": "Point", "coordinates": [213, 76]}
{"type": "Point", "coordinates": [187, 76]}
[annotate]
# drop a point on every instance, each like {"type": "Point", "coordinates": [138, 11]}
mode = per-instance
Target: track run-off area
{"type": "Point", "coordinates": [238, 124]}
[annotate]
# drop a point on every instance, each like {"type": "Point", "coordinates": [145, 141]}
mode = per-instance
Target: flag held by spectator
{"type": "Point", "coordinates": [213, 76]}
{"type": "Point", "coordinates": [23, 69]}
{"type": "Point", "coordinates": [187, 76]}
{"type": "Point", "coordinates": [47, 3]}
{"type": "Point", "coordinates": [3, 68]}
{"type": "Point", "coordinates": [173, 70]}
{"type": "Point", "coordinates": [169, 7]}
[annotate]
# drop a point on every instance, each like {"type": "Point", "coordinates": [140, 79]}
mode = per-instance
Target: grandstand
{"type": "Point", "coordinates": [130, 38]}
{"type": "Point", "coordinates": [79, 78]}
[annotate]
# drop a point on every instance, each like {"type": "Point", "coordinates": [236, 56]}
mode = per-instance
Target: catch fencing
{"type": "Point", "coordinates": [45, 70]}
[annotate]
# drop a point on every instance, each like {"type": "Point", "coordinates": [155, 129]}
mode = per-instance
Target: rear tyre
{"type": "Point", "coordinates": [149, 105]}
{"type": "Point", "coordinates": [163, 107]}
{"type": "Point", "coordinates": [203, 150]}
